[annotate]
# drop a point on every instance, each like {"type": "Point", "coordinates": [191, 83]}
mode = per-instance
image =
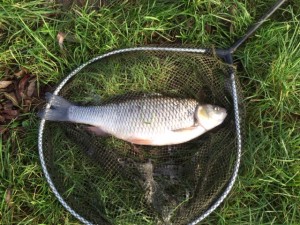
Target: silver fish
{"type": "Point", "coordinates": [148, 120]}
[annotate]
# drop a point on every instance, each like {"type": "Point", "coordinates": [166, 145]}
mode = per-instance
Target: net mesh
{"type": "Point", "coordinates": [109, 181]}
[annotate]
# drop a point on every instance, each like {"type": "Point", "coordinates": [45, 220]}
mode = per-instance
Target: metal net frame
{"type": "Point", "coordinates": [231, 86]}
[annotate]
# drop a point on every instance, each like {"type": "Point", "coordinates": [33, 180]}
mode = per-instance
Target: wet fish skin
{"type": "Point", "coordinates": [148, 120]}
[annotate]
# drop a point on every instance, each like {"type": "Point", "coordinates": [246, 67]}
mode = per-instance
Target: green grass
{"type": "Point", "coordinates": [268, 187]}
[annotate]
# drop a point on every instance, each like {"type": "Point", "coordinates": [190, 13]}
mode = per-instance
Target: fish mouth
{"type": "Point", "coordinates": [222, 112]}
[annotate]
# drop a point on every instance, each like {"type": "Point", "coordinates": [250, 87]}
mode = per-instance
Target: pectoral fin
{"type": "Point", "coordinates": [186, 129]}
{"type": "Point", "coordinates": [97, 130]}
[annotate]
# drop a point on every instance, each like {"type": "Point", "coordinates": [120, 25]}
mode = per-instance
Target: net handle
{"type": "Point", "coordinates": [252, 29]}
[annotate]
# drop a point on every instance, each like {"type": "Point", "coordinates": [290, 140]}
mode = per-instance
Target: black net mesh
{"type": "Point", "coordinates": [109, 181]}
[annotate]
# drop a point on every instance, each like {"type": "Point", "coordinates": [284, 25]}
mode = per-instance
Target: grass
{"type": "Point", "coordinates": [268, 187]}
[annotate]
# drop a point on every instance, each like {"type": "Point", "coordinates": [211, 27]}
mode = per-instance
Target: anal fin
{"type": "Point", "coordinates": [140, 141]}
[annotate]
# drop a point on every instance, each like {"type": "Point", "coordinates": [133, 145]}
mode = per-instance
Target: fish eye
{"type": "Point", "coordinates": [216, 108]}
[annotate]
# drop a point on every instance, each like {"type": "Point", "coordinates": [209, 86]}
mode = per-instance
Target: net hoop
{"type": "Point", "coordinates": [167, 49]}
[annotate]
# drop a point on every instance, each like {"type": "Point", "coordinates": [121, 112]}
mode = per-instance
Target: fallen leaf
{"type": "Point", "coordinates": [7, 72]}
{"type": "Point", "coordinates": [60, 38]}
{"type": "Point", "coordinates": [12, 97]}
{"type": "Point", "coordinates": [27, 102]}
{"type": "Point", "coordinates": [31, 87]}
{"type": "Point", "coordinates": [9, 117]}
{"type": "Point", "coordinates": [8, 197]}
{"type": "Point", "coordinates": [5, 83]}
{"type": "Point", "coordinates": [2, 119]}
{"type": "Point", "coordinates": [7, 105]}
{"type": "Point", "coordinates": [11, 87]}
{"type": "Point", "coordinates": [11, 112]}
{"type": "Point", "coordinates": [26, 106]}
{"type": "Point", "coordinates": [21, 85]}
{"type": "Point", "coordinates": [21, 72]}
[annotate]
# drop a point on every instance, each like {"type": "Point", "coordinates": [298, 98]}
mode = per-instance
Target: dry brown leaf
{"type": "Point", "coordinates": [60, 38]}
{"type": "Point", "coordinates": [7, 72]}
{"type": "Point", "coordinates": [7, 105]}
{"type": "Point", "coordinates": [9, 117]}
{"type": "Point", "coordinates": [27, 105]}
{"type": "Point", "coordinates": [5, 83]}
{"type": "Point", "coordinates": [8, 197]}
{"type": "Point", "coordinates": [11, 112]}
{"type": "Point", "coordinates": [31, 87]}
{"type": "Point", "coordinates": [2, 119]}
{"type": "Point", "coordinates": [21, 72]}
{"type": "Point", "coordinates": [28, 101]}
{"type": "Point", "coordinates": [22, 84]}
{"type": "Point", "coordinates": [11, 88]}
{"type": "Point", "coordinates": [12, 97]}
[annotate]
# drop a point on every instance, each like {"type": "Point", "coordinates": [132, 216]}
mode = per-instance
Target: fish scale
{"type": "Point", "coordinates": [145, 116]}
{"type": "Point", "coordinates": [152, 114]}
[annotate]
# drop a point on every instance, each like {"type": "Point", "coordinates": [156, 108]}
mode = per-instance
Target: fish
{"type": "Point", "coordinates": [155, 120]}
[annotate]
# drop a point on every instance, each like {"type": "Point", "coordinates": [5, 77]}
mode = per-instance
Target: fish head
{"type": "Point", "coordinates": [210, 116]}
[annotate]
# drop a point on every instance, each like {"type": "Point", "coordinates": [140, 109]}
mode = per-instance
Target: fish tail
{"type": "Point", "coordinates": [59, 110]}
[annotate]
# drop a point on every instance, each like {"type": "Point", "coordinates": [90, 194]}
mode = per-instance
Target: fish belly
{"type": "Point", "coordinates": [165, 138]}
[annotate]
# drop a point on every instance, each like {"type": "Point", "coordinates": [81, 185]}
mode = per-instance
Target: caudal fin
{"type": "Point", "coordinates": [58, 110]}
